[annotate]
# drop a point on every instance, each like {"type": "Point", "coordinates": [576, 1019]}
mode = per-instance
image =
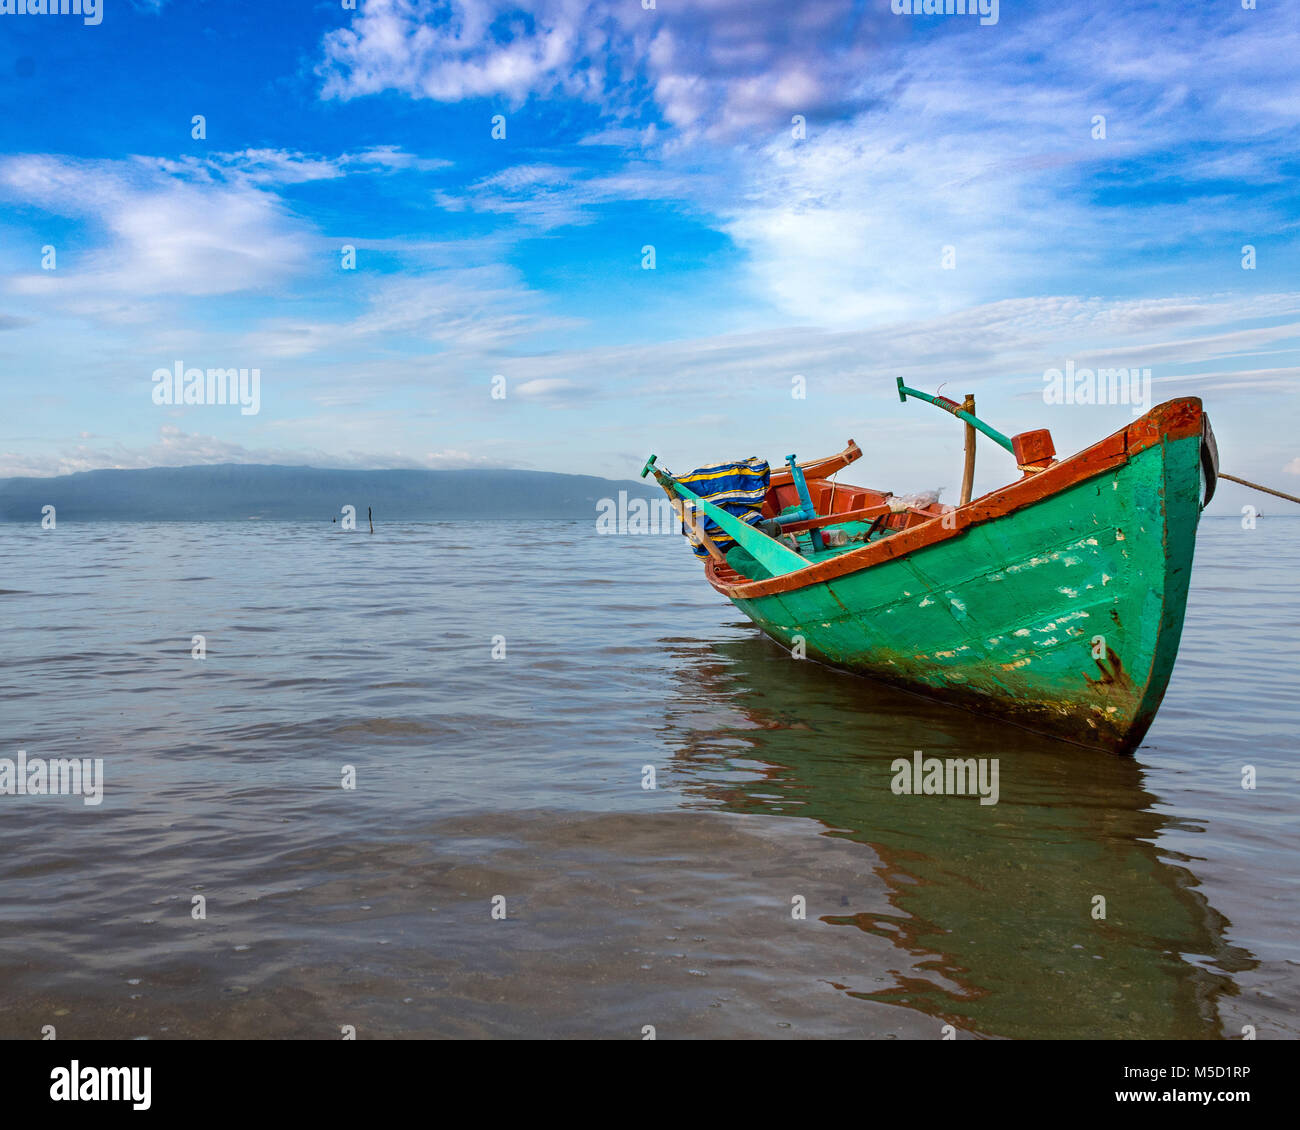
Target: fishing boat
{"type": "Point", "coordinates": [1055, 602]}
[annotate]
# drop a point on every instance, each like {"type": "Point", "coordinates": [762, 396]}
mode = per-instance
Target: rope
{"type": "Point", "coordinates": [1256, 486]}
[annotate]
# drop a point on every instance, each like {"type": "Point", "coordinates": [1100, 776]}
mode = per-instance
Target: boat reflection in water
{"type": "Point", "coordinates": [994, 903]}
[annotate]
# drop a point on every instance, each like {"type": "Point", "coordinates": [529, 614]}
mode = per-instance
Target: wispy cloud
{"type": "Point", "coordinates": [174, 447]}
{"type": "Point", "coordinates": [485, 308]}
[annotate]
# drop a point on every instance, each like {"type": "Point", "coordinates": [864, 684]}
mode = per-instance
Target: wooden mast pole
{"type": "Point", "coordinates": [968, 474]}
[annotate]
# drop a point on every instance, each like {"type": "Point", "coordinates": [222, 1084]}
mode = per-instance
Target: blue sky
{"type": "Point", "coordinates": [776, 255]}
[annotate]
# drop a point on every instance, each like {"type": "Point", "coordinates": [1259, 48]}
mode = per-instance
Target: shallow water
{"type": "Point", "coordinates": [522, 777]}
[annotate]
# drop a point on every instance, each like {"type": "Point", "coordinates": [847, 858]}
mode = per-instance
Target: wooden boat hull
{"type": "Point", "coordinates": [1056, 603]}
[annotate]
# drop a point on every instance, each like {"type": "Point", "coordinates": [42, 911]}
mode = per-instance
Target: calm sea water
{"type": "Point", "coordinates": [521, 778]}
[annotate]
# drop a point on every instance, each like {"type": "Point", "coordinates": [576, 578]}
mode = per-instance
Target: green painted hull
{"type": "Point", "coordinates": [1063, 617]}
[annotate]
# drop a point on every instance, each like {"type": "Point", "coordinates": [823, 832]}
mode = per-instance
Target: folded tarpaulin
{"type": "Point", "coordinates": [739, 488]}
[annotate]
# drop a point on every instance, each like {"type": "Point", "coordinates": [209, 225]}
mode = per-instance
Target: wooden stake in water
{"type": "Point", "coordinates": [372, 519]}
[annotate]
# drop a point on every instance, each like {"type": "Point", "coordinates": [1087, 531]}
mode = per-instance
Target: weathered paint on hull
{"type": "Point", "coordinates": [1006, 616]}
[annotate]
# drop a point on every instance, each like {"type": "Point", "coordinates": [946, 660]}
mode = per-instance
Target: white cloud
{"type": "Point", "coordinates": [712, 68]}
{"type": "Point", "coordinates": [177, 448]}
{"type": "Point", "coordinates": [165, 233]}
{"type": "Point", "coordinates": [913, 144]}
{"type": "Point", "coordinates": [180, 227]}
{"type": "Point", "coordinates": [460, 50]}
{"type": "Point", "coordinates": [719, 68]}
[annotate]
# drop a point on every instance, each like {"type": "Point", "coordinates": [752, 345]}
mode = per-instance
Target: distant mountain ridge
{"type": "Point", "coordinates": [238, 491]}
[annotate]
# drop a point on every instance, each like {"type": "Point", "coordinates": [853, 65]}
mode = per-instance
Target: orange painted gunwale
{"type": "Point", "coordinates": [819, 468]}
{"type": "Point", "coordinates": [1175, 419]}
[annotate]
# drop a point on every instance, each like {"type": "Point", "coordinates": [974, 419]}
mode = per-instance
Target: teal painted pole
{"type": "Point", "coordinates": [806, 509]}
{"type": "Point", "coordinates": [956, 409]}
{"type": "Point", "coordinates": [776, 558]}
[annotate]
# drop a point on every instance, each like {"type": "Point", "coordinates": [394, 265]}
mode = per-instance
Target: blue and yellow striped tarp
{"type": "Point", "coordinates": [739, 488]}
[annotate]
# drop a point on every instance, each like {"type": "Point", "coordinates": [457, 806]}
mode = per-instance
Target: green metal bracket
{"type": "Point", "coordinates": [955, 409]}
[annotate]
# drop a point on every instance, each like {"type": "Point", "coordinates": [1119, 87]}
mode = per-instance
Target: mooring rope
{"type": "Point", "coordinates": [1256, 486]}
